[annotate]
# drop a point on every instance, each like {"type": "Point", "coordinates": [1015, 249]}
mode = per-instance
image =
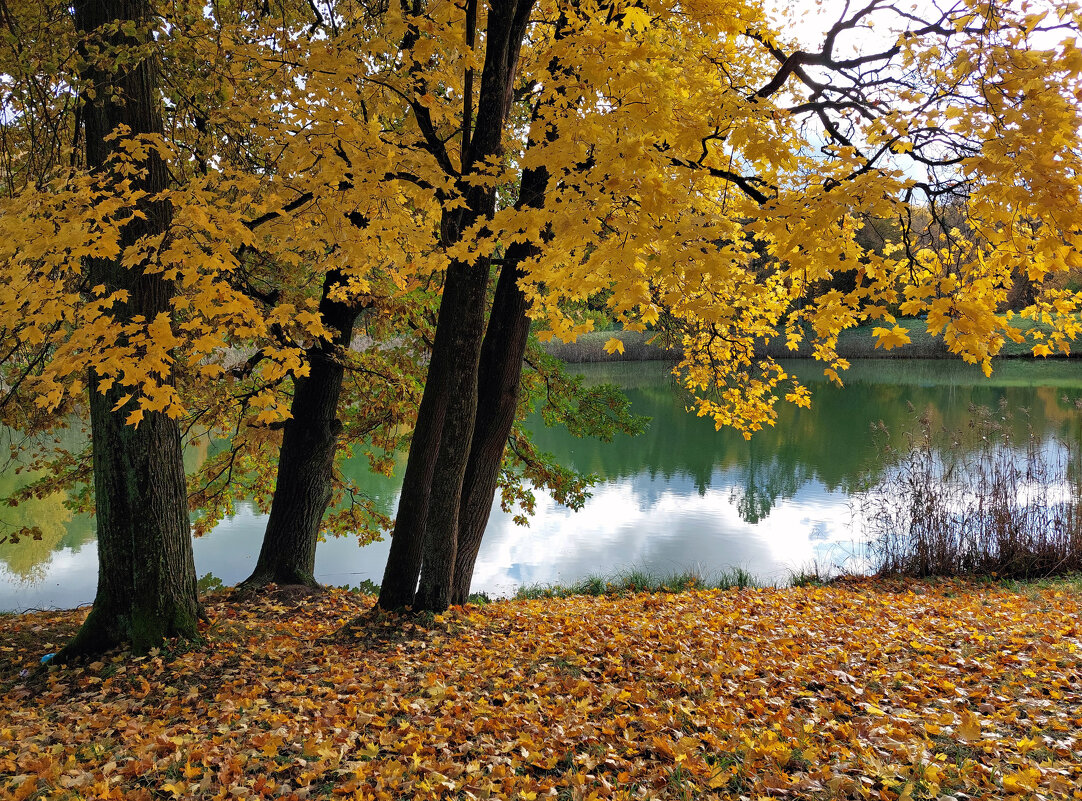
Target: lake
{"type": "Point", "coordinates": [680, 496]}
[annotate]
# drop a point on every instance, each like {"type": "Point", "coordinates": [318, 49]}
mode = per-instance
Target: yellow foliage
{"type": "Point", "coordinates": [690, 175]}
{"type": "Point", "coordinates": [614, 345]}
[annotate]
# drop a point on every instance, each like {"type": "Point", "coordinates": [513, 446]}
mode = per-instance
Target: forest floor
{"type": "Point", "coordinates": [860, 689]}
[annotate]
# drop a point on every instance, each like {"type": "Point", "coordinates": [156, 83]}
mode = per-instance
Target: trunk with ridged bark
{"type": "Point", "coordinates": [466, 288]}
{"type": "Point", "coordinates": [305, 479]}
{"type": "Point", "coordinates": [425, 538]}
{"type": "Point", "coordinates": [498, 382]}
{"type": "Point", "coordinates": [146, 573]}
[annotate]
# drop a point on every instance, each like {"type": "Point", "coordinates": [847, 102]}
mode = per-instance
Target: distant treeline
{"type": "Point", "coordinates": [856, 343]}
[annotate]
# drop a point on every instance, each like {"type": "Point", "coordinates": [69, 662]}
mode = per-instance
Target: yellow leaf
{"type": "Point", "coordinates": [719, 779]}
{"type": "Point", "coordinates": [1022, 781]}
{"type": "Point", "coordinates": [1025, 745]}
{"type": "Point", "coordinates": [635, 17]}
{"type": "Point", "coordinates": [614, 345]}
{"type": "Point", "coordinates": [970, 727]}
{"type": "Point", "coordinates": [888, 338]}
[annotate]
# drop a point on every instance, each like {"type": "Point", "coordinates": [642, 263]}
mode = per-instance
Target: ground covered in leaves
{"type": "Point", "coordinates": [855, 690]}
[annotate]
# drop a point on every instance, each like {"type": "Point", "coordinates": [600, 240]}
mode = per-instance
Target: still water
{"type": "Point", "coordinates": [679, 496]}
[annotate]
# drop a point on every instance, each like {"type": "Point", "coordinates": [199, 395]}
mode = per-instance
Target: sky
{"type": "Point", "coordinates": [809, 20]}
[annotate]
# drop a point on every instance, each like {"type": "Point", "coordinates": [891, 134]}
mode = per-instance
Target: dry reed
{"type": "Point", "coordinates": [984, 501]}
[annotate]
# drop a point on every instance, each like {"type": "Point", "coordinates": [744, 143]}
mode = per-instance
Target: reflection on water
{"type": "Point", "coordinates": [679, 496]}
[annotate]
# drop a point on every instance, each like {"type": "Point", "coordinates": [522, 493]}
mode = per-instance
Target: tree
{"type": "Point", "coordinates": [682, 160]}
{"type": "Point", "coordinates": [231, 290]}
{"type": "Point", "coordinates": [303, 484]}
{"type": "Point", "coordinates": [146, 577]}
{"type": "Point", "coordinates": [696, 166]}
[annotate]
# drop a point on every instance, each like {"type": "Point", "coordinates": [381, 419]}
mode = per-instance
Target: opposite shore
{"type": "Point", "coordinates": [855, 343]}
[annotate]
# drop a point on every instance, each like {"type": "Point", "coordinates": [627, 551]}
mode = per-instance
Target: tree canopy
{"type": "Point", "coordinates": [700, 165]}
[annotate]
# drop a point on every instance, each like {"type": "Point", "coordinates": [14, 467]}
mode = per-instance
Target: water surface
{"type": "Point", "coordinates": [680, 496]}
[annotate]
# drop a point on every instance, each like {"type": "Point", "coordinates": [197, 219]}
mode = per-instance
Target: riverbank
{"type": "Point", "coordinates": [854, 690]}
{"type": "Point", "coordinates": [854, 343]}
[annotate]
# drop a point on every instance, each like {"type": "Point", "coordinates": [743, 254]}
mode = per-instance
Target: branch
{"type": "Point", "coordinates": [745, 183]}
{"type": "Point", "coordinates": [467, 82]}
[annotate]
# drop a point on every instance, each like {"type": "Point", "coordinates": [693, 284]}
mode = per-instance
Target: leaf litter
{"type": "Point", "coordinates": [863, 689]}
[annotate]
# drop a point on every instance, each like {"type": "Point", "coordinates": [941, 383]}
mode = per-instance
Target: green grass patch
{"type": "Point", "coordinates": [636, 580]}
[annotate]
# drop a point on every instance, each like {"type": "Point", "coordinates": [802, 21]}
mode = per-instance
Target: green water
{"type": "Point", "coordinates": [681, 495]}
{"type": "Point", "coordinates": [831, 442]}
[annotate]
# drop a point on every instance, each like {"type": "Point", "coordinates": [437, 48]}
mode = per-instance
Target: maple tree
{"type": "Point", "coordinates": [686, 161]}
{"type": "Point", "coordinates": [280, 405]}
{"type": "Point", "coordinates": [146, 578]}
{"type": "Point", "coordinates": [173, 353]}
{"type": "Point", "coordinates": [665, 151]}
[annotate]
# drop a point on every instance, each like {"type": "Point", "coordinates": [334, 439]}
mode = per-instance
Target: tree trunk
{"type": "Point", "coordinates": [425, 533]}
{"type": "Point", "coordinates": [497, 402]}
{"type": "Point", "coordinates": [498, 380]}
{"type": "Point", "coordinates": [437, 458]}
{"type": "Point", "coordinates": [399, 584]}
{"type": "Point", "coordinates": [146, 573]}
{"type": "Point", "coordinates": [464, 303]}
{"type": "Point", "coordinates": [305, 479]}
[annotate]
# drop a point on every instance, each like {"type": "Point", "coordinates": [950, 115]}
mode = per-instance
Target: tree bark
{"type": "Point", "coordinates": [424, 540]}
{"type": "Point", "coordinates": [425, 534]}
{"type": "Point", "coordinates": [399, 584]}
{"type": "Point", "coordinates": [146, 573]}
{"type": "Point", "coordinates": [464, 296]}
{"type": "Point", "coordinates": [498, 382]}
{"type": "Point", "coordinates": [304, 484]}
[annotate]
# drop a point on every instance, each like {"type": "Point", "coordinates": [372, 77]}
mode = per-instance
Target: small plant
{"type": "Point", "coordinates": [364, 587]}
{"type": "Point", "coordinates": [679, 784]}
{"type": "Point", "coordinates": [804, 578]}
{"type": "Point", "coordinates": [735, 577]}
{"type": "Point", "coordinates": [812, 575]}
{"type": "Point", "coordinates": [209, 583]}
{"type": "Point", "coordinates": [591, 585]}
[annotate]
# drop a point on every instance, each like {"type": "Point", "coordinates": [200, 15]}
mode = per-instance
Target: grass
{"type": "Point", "coordinates": [635, 580]}
{"type": "Point", "coordinates": [625, 582]}
{"type": "Point", "coordinates": [1070, 583]}
{"type": "Point", "coordinates": [631, 582]}
{"type": "Point", "coordinates": [809, 576]}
